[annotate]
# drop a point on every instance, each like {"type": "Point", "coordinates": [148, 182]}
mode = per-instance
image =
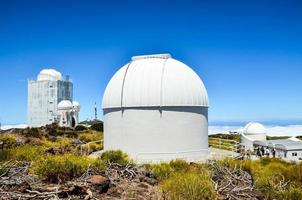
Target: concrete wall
{"type": "Point", "coordinates": [43, 99]}
{"type": "Point", "coordinates": [153, 134]}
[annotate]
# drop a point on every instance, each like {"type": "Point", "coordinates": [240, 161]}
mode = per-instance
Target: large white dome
{"type": "Point", "coordinates": [65, 105]}
{"type": "Point", "coordinates": [49, 74]}
{"type": "Point", "coordinates": [142, 103]}
{"type": "Point", "coordinates": [254, 128]}
{"type": "Point", "coordinates": [155, 80]}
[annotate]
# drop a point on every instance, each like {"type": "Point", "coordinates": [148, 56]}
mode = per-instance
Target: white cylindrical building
{"type": "Point", "coordinates": [251, 132]}
{"type": "Point", "coordinates": [64, 109]}
{"type": "Point", "coordinates": [76, 109]}
{"type": "Point", "coordinates": [156, 109]}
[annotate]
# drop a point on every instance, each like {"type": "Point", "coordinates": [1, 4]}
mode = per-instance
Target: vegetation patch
{"type": "Point", "coordinates": [56, 168]}
{"type": "Point", "coordinates": [8, 140]}
{"type": "Point", "coordinates": [22, 153]}
{"type": "Point", "coordinates": [80, 128]}
{"type": "Point", "coordinates": [188, 186]}
{"type": "Point", "coordinates": [116, 156]}
{"type": "Point", "coordinates": [89, 137]}
{"type": "Point", "coordinates": [98, 127]}
{"type": "Point", "coordinates": [274, 178]}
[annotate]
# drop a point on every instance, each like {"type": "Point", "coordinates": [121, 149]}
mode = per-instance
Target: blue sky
{"type": "Point", "coordinates": [248, 53]}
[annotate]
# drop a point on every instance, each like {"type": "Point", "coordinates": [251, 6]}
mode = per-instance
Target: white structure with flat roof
{"type": "Point", "coordinates": [44, 95]}
{"type": "Point", "coordinates": [289, 149]}
{"type": "Point", "coordinates": [156, 109]}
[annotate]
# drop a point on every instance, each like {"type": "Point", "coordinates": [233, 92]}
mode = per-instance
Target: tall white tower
{"type": "Point", "coordinates": [44, 94]}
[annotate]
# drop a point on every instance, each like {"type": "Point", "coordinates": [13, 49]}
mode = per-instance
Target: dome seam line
{"type": "Point", "coordinates": [123, 84]}
{"type": "Point", "coordinates": [161, 83]}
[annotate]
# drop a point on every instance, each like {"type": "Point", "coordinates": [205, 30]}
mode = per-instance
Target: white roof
{"type": "Point", "coordinates": [76, 104]}
{"type": "Point", "coordinates": [254, 128]}
{"type": "Point", "coordinates": [65, 105]}
{"type": "Point", "coordinates": [49, 74]}
{"type": "Point", "coordinates": [155, 80]}
{"type": "Point", "coordinates": [282, 144]}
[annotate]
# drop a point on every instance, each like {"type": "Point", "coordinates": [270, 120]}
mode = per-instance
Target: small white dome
{"type": "Point", "coordinates": [76, 105]}
{"type": "Point", "coordinates": [155, 80]}
{"type": "Point", "coordinates": [65, 105]}
{"type": "Point", "coordinates": [254, 128]}
{"type": "Point", "coordinates": [49, 74]}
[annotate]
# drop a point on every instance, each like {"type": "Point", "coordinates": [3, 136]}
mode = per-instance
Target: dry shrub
{"type": "Point", "coordinates": [275, 178]}
{"type": "Point", "coordinates": [191, 186]}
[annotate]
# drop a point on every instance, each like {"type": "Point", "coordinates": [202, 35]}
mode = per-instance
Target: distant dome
{"type": "Point", "coordinates": [65, 105]}
{"type": "Point", "coordinates": [76, 105]}
{"type": "Point", "coordinates": [254, 128]}
{"type": "Point", "coordinates": [49, 74]}
{"type": "Point", "coordinates": [155, 80]}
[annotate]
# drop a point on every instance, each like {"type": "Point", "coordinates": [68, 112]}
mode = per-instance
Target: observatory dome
{"type": "Point", "coordinates": [254, 128]}
{"type": "Point", "coordinates": [251, 132]}
{"type": "Point", "coordinates": [49, 74]}
{"type": "Point", "coordinates": [65, 105]}
{"type": "Point", "coordinates": [155, 80]}
{"type": "Point", "coordinates": [156, 109]}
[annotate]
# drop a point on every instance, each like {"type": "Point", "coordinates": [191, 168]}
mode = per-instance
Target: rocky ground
{"type": "Point", "coordinates": [116, 183]}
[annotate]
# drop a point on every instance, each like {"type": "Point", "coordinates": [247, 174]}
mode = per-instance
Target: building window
{"type": "Point", "coordinates": [294, 154]}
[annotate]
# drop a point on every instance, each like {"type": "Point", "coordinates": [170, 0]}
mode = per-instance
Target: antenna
{"type": "Point", "coordinates": [95, 111]}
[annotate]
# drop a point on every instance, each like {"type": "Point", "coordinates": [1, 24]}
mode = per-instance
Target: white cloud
{"type": "Point", "coordinates": [222, 129]}
{"type": "Point", "coordinates": [291, 130]}
{"type": "Point", "coordinates": [6, 127]}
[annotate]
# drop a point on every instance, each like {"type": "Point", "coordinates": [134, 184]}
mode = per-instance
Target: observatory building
{"type": "Point", "coordinates": [252, 132]}
{"type": "Point", "coordinates": [156, 109]}
{"type": "Point", "coordinates": [50, 100]}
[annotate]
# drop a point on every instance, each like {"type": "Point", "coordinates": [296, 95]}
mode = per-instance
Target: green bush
{"type": "Point", "coordinates": [179, 165]}
{"type": "Point", "coordinates": [89, 137]}
{"type": "Point", "coordinates": [8, 140]}
{"type": "Point", "coordinates": [80, 128]}
{"type": "Point", "coordinates": [290, 194]}
{"type": "Point", "coordinates": [188, 186]}
{"type": "Point", "coordinates": [98, 127]}
{"type": "Point", "coordinates": [246, 164]}
{"type": "Point", "coordinates": [23, 153]}
{"type": "Point", "coordinates": [95, 147]}
{"type": "Point", "coordinates": [162, 171]}
{"type": "Point", "coordinates": [55, 168]}
{"type": "Point", "coordinates": [116, 156]}
{"type": "Point", "coordinates": [33, 132]}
